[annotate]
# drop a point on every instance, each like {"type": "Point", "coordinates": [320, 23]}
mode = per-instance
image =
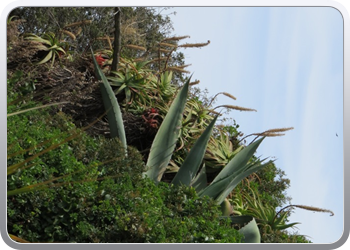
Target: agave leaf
{"type": "Point", "coordinates": [215, 189]}
{"type": "Point", "coordinates": [239, 161]}
{"type": "Point", "coordinates": [236, 180]}
{"type": "Point", "coordinates": [222, 181]}
{"type": "Point", "coordinates": [110, 102]}
{"type": "Point", "coordinates": [200, 181]}
{"type": "Point", "coordinates": [165, 140]}
{"type": "Point", "coordinates": [241, 220]}
{"type": "Point", "coordinates": [251, 232]}
{"type": "Point", "coordinates": [220, 189]}
{"type": "Point", "coordinates": [190, 166]}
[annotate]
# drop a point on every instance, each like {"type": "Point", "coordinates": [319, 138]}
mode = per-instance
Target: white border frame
{"type": "Point", "coordinates": [223, 3]}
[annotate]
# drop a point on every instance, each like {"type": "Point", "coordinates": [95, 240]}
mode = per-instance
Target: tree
{"type": "Point", "coordinates": [142, 26]}
{"type": "Point", "coordinates": [117, 39]}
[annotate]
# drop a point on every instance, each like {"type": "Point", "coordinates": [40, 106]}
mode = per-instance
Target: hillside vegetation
{"type": "Point", "coordinates": [132, 151]}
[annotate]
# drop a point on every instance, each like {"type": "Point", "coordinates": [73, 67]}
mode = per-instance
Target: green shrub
{"type": "Point", "coordinates": [106, 199]}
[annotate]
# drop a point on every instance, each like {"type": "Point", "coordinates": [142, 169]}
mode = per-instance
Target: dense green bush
{"type": "Point", "coordinates": [106, 199]}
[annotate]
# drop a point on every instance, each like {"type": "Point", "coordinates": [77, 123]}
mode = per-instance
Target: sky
{"type": "Point", "coordinates": [287, 63]}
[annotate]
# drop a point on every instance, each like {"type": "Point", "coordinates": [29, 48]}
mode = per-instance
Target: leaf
{"type": "Point", "coordinates": [239, 161]}
{"type": "Point", "coordinates": [215, 189]}
{"type": "Point", "coordinates": [282, 227]}
{"type": "Point", "coordinates": [200, 181]}
{"type": "Point", "coordinates": [38, 107]}
{"type": "Point", "coordinates": [20, 240]}
{"type": "Point", "coordinates": [165, 140]}
{"type": "Point", "coordinates": [116, 92]}
{"type": "Point", "coordinates": [47, 58]}
{"type": "Point", "coordinates": [251, 232]}
{"type": "Point", "coordinates": [236, 180]}
{"type": "Point", "coordinates": [236, 170]}
{"type": "Point", "coordinates": [111, 105]}
{"type": "Point", "coordinates": [190, 166]}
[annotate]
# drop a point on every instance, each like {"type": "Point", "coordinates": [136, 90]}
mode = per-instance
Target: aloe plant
{"type": "Point", "coordinates": [131, 84]}
{"type": "Point", "coordinates": [265, 215]}
{"type": "Point", "coordinates": [49, 43]}
{"type": "Point", "coordinates": [220, 151]}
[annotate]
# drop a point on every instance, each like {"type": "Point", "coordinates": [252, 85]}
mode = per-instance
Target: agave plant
{"type": "Point", "coordinates": [189, 173]}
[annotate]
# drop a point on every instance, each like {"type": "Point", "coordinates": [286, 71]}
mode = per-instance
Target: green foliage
{"type": "Point", "coordinates": [102, 196]}
{"type": "Point", "coordinates": [284, 237]}
{"type": "Point", "coordinates": [143, 26]}
{"type": "Point", "coordinates": [266, 215]}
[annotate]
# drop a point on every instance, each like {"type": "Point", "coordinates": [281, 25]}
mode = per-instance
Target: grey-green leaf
{"type": "Point", "coordinates": [111, 105]}
{"type": "Point", "coordinates": [239, 161]}
{"type": "Point", "coordinates": [237, 179]}
{"type": "Point", "coordinates": [200, 181]}
{"type": "Point", "coordinates": [190, 166]}
{"type": "Point", "coordinates": [251, 232]}
{"type": "Point", "coordinates": [165, 140]}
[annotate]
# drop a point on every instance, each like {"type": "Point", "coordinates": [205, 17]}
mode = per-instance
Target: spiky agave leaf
{"type": "Point", "coordinates": [200, 181]}
{"type": "Point", "coordinates": [111, 105]}
{"type": "Point", "coordinates": [165, 140]}
{"type": "Point", "coordinates": [235, 171]}
{"type": "Point", "coordinates": [190, 166]}
{"type": "Point", "coordinates": [250, 231]}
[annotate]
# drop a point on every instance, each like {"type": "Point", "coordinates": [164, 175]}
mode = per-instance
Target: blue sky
{"type": "Point", "coordinates": [287, 63]}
